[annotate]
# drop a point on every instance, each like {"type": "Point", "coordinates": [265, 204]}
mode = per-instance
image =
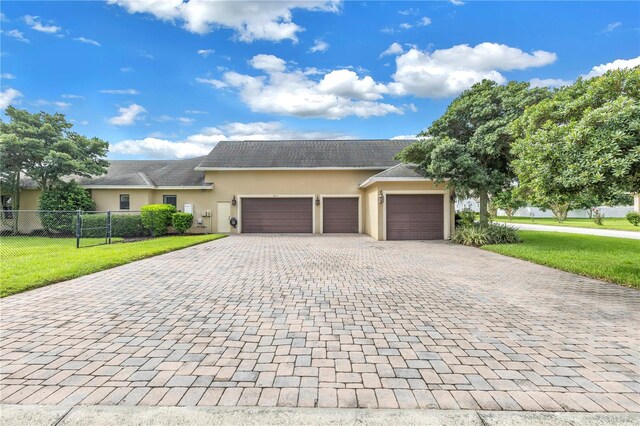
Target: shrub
{"type": "Point", "coordinates": [476, 235]}
{"type": "Point", "coordinates": [157, 218]}
{"type": "Point", "coordinates": [67, 197]}
{"type": "Point", "coordinates": [122, 225]}
{"type": "Point", "coordinates": [507, 201]}
{"type": "Point", "coordinates": [182, 221]}
{"type": "Point", "coordinates": [633, 218]}
{"type": "Point", "coordinates": [467, 217]}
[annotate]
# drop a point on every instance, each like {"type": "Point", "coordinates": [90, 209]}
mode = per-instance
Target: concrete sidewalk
{"type": "Point", "coordinates": [571, 230]}
{"type": "Point", "coordinates": [19, 415]}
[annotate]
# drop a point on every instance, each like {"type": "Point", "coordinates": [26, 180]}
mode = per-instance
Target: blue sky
{"type": "Point", "coordinates": [168, 80]}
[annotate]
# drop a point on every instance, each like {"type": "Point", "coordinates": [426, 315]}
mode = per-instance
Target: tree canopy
{"type": "Point", "coordinates": [583, 142]}
{"type": "Point", "coordinates": [43, 147]}
{"type": "Point", "coordinates": [470, 145]}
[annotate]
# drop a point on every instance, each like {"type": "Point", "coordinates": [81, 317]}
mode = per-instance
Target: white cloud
{"type": "Point", "coordinates": [407, 12]}
{"type": "Point", "coordinates": [120, 91]}
{"type": "Point", "coordinates": [549, 82]}
{"type": "Point", "coordinates": [394, 49]}
{"type": "Point", "coordinates": [617, 64]}
{"type": "Point", "coordinates": [205, 52]}
{"type": "Point", "coordinates": [217, 84]}
{"type": "Point", "coordinates": [17, 35]}
{"type": "Point", "coordinates": [303, 93]}
{"type": "Point", "coordinates": [268, 63]}
{"type": "Point", "coordinates": [404, 137]}
{"type": "Point", "coordinates": [201, 143]}
{"type": "Point", "coordinates": [128, 115]}
{"type": "Point", "coordinates": [88, 41]}
{"type": "Point", "coordinates": [447, 72]}
{"type": "Point", "coordinates": [456, 2]}
{"type": "Point", "coordinates": [7, 76]}
{"type": "Point", "coordinates": [59, 104]}
{"type": "Point", "coordinates": [126, 69]}
{"type": "Point", "coordinates": [405, 25]}
{"type": "Point", "coordinates": [319, 46]}
{"type": "Point", "coordinates": [8, 96]}
{"type": "Point", "coordinates": [3, 17]}
{"type": "Point", "coordinates": [35, 24]}
{"type": "Point", "coordinates": [424, 21]}
{"type": "Point", "coordinates": [251, 20]}
{"type": "Point", "coordinates": [181, 120]}
{"type": "Point", "coordinates": [69, 96]}
{"type": "Point", "coordinates": [612, 27]}
{"type": "Point", "coordinates": [195, 112]}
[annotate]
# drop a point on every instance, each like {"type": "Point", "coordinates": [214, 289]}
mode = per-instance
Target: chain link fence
{"type": "Point", "coordinates": [23, 230]}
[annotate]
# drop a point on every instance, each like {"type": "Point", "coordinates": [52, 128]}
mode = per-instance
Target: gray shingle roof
{"type": "Point", "coordinates": [149, 173]}
{"type": "Point", "coordinates": [400, 171]}
{"type": "Point", "coordinates": [304, 154]}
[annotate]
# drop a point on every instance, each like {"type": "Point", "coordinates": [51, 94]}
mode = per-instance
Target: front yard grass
{"type": "Point", "coordinates": [617, 223]}
{"type": "Point", "coordinates": [611, 259]}
{"type": "Point", "coordinates": [30, 262]}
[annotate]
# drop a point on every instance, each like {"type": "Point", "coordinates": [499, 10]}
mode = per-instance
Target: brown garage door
{"type": "Point", "coordinates": [415, 217]}
{"type": "Point", "coordinates": [340, 215]}
{"type": "Point", "coordinates": [274, 215]}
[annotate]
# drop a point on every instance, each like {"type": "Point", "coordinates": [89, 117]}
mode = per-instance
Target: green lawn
{"type": "Point", "coordinates": [30, 262]}
{"type": "Point", "coordinates": [619, 223]}
{"type": "Point", "coordinates": [610, 259]}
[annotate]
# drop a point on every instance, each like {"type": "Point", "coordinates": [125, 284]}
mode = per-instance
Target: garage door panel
{"type": "Point", "coordinates": [340, 215]}
{"type": "Point", "coordinates": [277, 215]}
{"type": "Point", "coordinates": [415, 217]}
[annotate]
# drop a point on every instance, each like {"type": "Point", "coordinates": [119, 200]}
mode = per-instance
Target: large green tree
{"type": "Point", "coordinates": [470, 145]}
{"type": "Point", "coordinates": [582, 143]}
{"type": "Point", "coordinates": [43, 147]}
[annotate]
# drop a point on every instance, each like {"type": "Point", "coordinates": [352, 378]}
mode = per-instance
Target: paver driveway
{"type": "Point", "coordinates": [327, 321]}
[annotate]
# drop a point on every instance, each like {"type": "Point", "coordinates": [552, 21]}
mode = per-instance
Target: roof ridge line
{"type": "Point", "coordinates": [146, 179]}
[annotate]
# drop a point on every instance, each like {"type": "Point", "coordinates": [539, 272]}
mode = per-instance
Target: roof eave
{"type": "Point", "coordinates": [233, 169]}
{"type": "Point", "coordinates": [202, 187]}
{"type": "Point", "coordinates": [373, 180]}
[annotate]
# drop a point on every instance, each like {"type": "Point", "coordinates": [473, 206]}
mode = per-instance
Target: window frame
{"type": "Point", "coordinates": [164, 199]}
{"type": "Point", "coordinates": [128, 201]}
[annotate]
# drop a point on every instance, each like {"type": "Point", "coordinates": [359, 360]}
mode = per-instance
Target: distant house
{"type": "Point", "coordinates": [287, 186]}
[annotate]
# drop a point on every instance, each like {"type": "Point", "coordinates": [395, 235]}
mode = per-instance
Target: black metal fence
{"type": "Point", "coordinates": [23, 229]}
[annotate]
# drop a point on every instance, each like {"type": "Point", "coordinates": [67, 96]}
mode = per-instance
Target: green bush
{"type": "Point", "coordinates": [633, 218]}
{"type": "Point", "coordinates": [476, 235]}
{"type": "Point", "coordinates": [122, 225]}
{"type": "Point", "coordinates": [157, 218]}
{"type": "Point", "coordinates": [182, 222]}
{"type": "Point", "coordinates": [64, 197]}
{"type": "Point", "coordinates": [467, 217]}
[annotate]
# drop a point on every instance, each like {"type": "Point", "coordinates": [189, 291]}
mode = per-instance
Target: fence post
{"type": "Point", "coordinates": [78, 228]}
{"type": "Point", "coordinates": [108, 226]}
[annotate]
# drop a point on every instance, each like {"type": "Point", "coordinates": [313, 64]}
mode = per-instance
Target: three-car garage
{"type": "Point", "coordinates": [405, 216]}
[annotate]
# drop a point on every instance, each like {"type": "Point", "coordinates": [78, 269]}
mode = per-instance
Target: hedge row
{"type": "Point", "coordinates": [122, 226]}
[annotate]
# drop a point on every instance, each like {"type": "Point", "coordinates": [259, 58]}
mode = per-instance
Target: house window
{"type": "Point", "coordinates": [170, 199]}
{"type": "Point", "coordinates": [6, 206]}
{"type": "Point", "coordinates": [124, 201]}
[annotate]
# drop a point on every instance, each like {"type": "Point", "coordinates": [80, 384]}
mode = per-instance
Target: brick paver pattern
{"type": "Point", "coordinates": [326, 321]}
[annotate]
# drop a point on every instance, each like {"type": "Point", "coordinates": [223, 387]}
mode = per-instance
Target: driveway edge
{"type": "Point", "coordinates": [52, 415]}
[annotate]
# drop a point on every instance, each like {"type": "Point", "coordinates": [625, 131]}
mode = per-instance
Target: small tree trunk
{"type": "Point", "coordinates": [560, 211]}
{"type": "Point", "coordinates": [484, 202]}
{"type": "Point", "coordinates": [509, 212]}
